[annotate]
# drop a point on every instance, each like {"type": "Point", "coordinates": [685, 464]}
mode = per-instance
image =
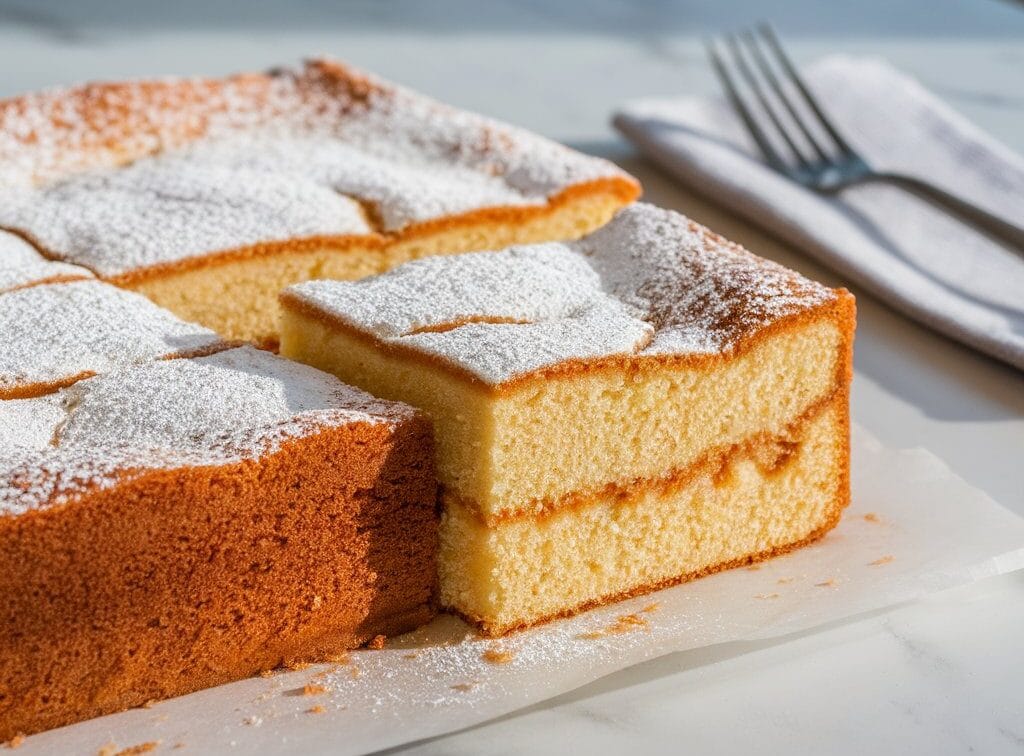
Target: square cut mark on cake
{"type": "Point", "coordinates": [58, 333]}
{"type": "Point", "coordinates": [558, 380]}
{"type": "Point", "coordinates": [191, 522]}
{"type": "Point", "coordinates": [264, 180]}
{"type": "Point", "coordinates": [600, 385]}
{"type": "Point", "coordinates": [21, 265]}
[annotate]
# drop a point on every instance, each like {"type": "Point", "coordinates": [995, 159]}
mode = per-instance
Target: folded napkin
{"type": "Point", "coordinates": [905, 250]}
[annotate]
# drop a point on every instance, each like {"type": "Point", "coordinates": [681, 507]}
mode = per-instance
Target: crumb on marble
{"type": "Point", "coordinates": [318, 709]}
{"type": "Point", "coordinates": [495, 655]}
{"type": "Point", "coordinates": [872, 517]}
{"type": "Point", "coordinates": [882, 560]}
{"type": "Point", "coordinates": [785, 580]}
{"type": "Point", "coordinates": [464, 687]}
{"type": "Point", "coordinates": [412, 655]}
{"type": "Point", "coordinates": [313, 689]}
{"type": "Point", "coordinates": [377, 643]}
{"type": "Point", "coordinates": [651, 608]}
{"type": "Point", "coordinates": [830, 583]}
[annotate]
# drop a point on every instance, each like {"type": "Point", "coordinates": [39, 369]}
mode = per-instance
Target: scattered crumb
{"type": "Point", "coordinates": [253, 721]}
{"type": "Point", "coordinates": [356, 672]}
{"type": "Point", "coordinates": [753, 567]}
{"type": "Point", "coordinates": [872, 517]}
{"type": "Point", "coordinates": [882, 560]}
{"type": "Point", "coordinates": [651, 608]}
{"type": "Point", "coordinates": [176, 746]}
{"type": "Point", "coordinates": [464, 687]}
{"type": "Point", "coordinates": [830, 583]}
{"type": "Point", "coordinates": [339, 658]}
{"type": "Point", "coordinates": [624, 624]}
{"type": "Point", "coordinates": [767, 596]}
{"type": "Point", "coordinates": [313, 689]}
{"type": "Point", "coordinates": [296, 666]}
{"type": "Point", "coordinates": [377, 643]}
{"type": "Point", "coordinates": [783, 581]}
{"type": "Point", "coordinates": [267, 673]}
{"type": "Point", "coordinates": [318, 709]}
{"type": "Point", "coordinates": [16, 741]}
{"type": "Point", "coordinates": [413, 655]}
{"type": "Point", "coordinates": [497, 656]}
{"type": "Point", "coordinates": [150, 703]}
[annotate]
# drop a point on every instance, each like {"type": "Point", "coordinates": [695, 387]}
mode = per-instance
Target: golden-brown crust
{"type": "Point", "coordinates": [180, 579]}
{"type": "Point", "coordinates": [841, 309]}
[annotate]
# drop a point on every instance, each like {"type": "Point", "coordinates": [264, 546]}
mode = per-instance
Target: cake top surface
{"type": "Point", "coordinates": [21, 265]}
{"type": "Point", "coordinates": [652, 283]}
{"type": "Point", "coordinates": [237, 404]}
{"type": "Point", "coordinates": [55, 332]}
{"type": "Point", "coordinates": [125, 177]}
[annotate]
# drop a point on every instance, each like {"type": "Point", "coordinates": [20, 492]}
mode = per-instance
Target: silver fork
{"type": "Point", "coordinates": [825, 163]}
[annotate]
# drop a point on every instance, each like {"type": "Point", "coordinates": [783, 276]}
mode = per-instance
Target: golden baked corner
{"type": "Point", "coordinates": [642, 406]}
{"type": "Point", "coordinates": [211, 195]}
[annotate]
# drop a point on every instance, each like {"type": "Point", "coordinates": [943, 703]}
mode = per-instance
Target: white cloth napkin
{"type": "Point", "coordinates": [905, 250]}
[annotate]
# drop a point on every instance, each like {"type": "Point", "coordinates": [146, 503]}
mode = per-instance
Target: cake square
{"type": "Point", "coordinates": [179, 524]}
{"type": "Point", "coordinates": [641, 406]}
{"type": "Point", "coordinates": [211, 195]}
{"type": "Point", "coordinates": [57, 333]}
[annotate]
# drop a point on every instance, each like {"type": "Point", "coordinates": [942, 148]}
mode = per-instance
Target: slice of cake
{"type": "Point", "coordinates": [56, 333]}
{"type": "Point", "coordinates": [209, 196]}
{"type": "Point", "coordinates": [642, 406]}
{"type": "Point", "coordinates": [176, 525]}
{"type": "Point", "coordinates": [21, 265]}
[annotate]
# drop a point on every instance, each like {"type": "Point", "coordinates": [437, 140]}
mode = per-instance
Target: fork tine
{"type": "Point", "coordinates": [755, 85]}
{"type": "Point", "coordinates": [773, 42]}
{"type": "Point", "coordinates": [773, 157]}
{"type": "Point", "coordinates": [766, 70]}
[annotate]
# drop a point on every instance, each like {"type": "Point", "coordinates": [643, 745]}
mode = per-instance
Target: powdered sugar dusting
{"type": "Point", "coordinates": [650, 283]}
{"type": "Point", "coordinates": [54, 332]}
{"type": "Point", "coordinates": [122, 177]}
{"type": "Point", "coordinates": [21, 265]}
{"type": "Point", "coordinates": [237, 404]}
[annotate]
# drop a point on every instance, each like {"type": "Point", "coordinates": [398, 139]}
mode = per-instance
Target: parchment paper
{"type": "Point", "coordinates": [913, 528]}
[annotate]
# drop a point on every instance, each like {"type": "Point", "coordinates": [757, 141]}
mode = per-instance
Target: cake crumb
{"type": "Point", "coordinates": [495, 655]}
{"type": "Point", "coordinates": [785, 580]}
{"type": "Point", "coordinates": [464, 687]}
{"type": "Point", "coordinates": [176, 746]}
{"type": "Point", "coordinates": [882, 560]}
{"type": "Point", "coordinates": [412, 655]}
{"type": "Point", "coordinates": [753, 567]}
{"type": "Point", "coordinates": [253, 721]}
{"type": "Point", "coordinates": [651, 608]}
{"type": "Point", "coordinates": [624, 624]}
{"type": "Point", "coordinates": [767, 596]}
{"type": "Point", "coordinates": [266, 673]}
{"type": "Point", "coordinates": [377, 643]}
{"type": "Point", "coordinates": [296, 666]}
{"type": "Point", "coordinates": [872, 517]}
{"type": "Point", "coordinates": [150, 703]}
{"type": "Point", "coordinates": [356, 672]}
{"type": "Point", "coordinates": [16, 741]}
{"type": "Point", "coordinates": [339, 658]}
{"type": "Point", "coordinates": [318, 709]}
{"type": "Point", "coordinates": [830, 583]}
{"type": "Point", "coordinates": [313, 689]}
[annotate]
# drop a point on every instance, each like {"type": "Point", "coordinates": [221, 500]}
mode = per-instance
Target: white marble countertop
{"type": "Point", "coordinates": [942, 676]}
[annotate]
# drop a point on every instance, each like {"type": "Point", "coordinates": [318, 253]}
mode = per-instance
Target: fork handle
{"type": "Point", "coordinates": [991, 225]}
